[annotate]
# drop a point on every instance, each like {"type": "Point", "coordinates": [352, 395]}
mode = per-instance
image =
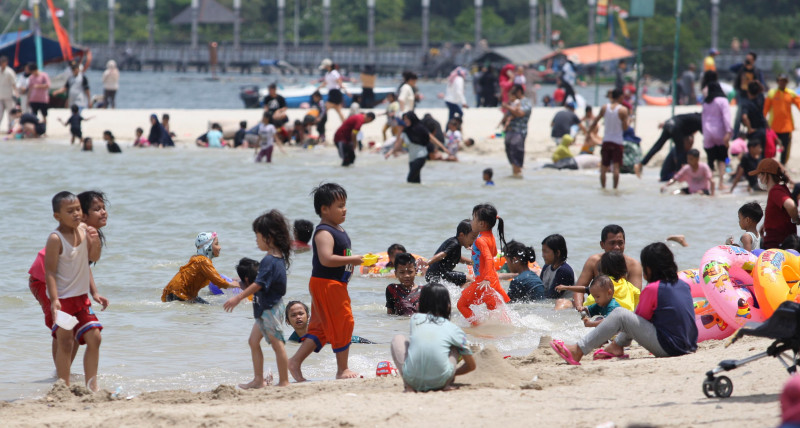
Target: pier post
{"type": "Point", "coordinates": [592, 20]}
{"type": "Point", "coordinates": [534, 9]}
{"type": "Point", "coordinates": [371, 31]}
{"type": "Point", "coordinates": [111, 4]}
{"type": "Point", "coordinates": [195, 16]}
{"type": "Point", "coordinates": [426, 4]}
{"type": "Point", "coordinates": [151, 23]}
{"type": "Point", "coordinates": [281, 29]}
{"type": "Point", "coordinates": [714, 23]}
{"type": "Point", "coordinates": [71, 16]}
{"type": "Point", "coordinates": [326, 27]}
{"type": "Point", "coordinates": [296, 36]}
{"type": "Point", "coordinates": [478, 24]}
{"type": "Point", "coordinates": [237, 24]}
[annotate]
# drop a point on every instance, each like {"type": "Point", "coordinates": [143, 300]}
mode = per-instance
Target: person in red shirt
{"type": "Point", "coordinates": [780, 215]}
{"type": "Point", "coordinates": [345, 137]}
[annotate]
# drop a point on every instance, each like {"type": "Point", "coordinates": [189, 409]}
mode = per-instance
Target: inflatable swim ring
{"type": "Point", "coordinates": [379, 267]}
{"type": "Point", "coordinates": [709, 324]}
{"type": "Point", "coordinates": [726, 272]}
{"type": "Point", "coordinates": [656, 101]}
{"type": "Point", "coordinates": [776, 279]}
{"type": "Point", "coordinates": [695, 281]}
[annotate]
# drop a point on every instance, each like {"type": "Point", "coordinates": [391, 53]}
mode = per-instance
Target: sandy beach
{"type": "Point", "coordinates": [519, 391]}
{"type": "Point", "coordinates": [522, 391]}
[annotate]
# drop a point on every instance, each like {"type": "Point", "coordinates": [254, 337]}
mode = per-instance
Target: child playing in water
{"type": "Point", "coordinates": [266, 138]}
{"type": "Point", "coordinates": [392, 109]}
{"type": "Point", "coordinates": [527, 286]}
{"type": "Point", "coordinates": [87, 145]}
{"type": "Point", "coordinates": [195, 275]}
{"type": "Point", "coordinates": [428, 359]}
{"type": "Point", "coordinates": [303, 229]}
{"type": "Point", "coordinates": [602, 290]}
{"type": "Point", "coordinates": [214, 137]}
{"type": "Point", "coordinates": [556, 271]}
{"type": "Point", "coordinates": [297, 318]}
{"type": "Point", "coordinates": [403, 298]}
{"type": "Point", "coordinates": [111, 143]}
{"type": "Point", "coordinates": [332, 266]}
{"type": "Point", "coordinates": [612, 264]}
{"type": "Point", "coordinates": [592, 138]}
{"type": "Point", "coordinates": [74, 123]}
{"type": "Point", "coordinates": [750, 215]}
{"type": "Point", "coordinates": [268, 289]}
{"type": "Point", "coordinates": [448, 255]}
{"type": "Point", "coordinates": [139, 140]}
{"type": "Point", "coordinates": [68, 251]}
{"type": "Point", "coordinates": [392, 252]}
{"type": "Point", "coordinates": [695, 174]}
{"type": "Point", "coordinates": [453, 139]}
{"type": "Point", "coordinates": [486, 288]}
{"type": "Point", "coordinates": [488, 173]}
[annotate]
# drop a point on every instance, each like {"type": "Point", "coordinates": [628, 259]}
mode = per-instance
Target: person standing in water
{"type": "Point", "coordinates": [616, 122]}
{"type": "Point", "coordinates": [517, 129]}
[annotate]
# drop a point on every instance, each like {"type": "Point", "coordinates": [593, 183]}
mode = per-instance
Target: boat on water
{"type": "Point", "coordinates": [300, 96]}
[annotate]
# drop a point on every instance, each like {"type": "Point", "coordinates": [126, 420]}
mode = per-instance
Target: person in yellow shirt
{"type": "Point", "coordinates": [778, 110]}
{"type": "Point", "coordinates": [614, 266]}
{"type": "Point", "coordinates": [708, 63]}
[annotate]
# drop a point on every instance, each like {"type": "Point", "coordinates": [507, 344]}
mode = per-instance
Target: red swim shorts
{"type": "Point", "coordinates": [611, 153]}
{"type": "Point", "coordinates": [81, 308]}
{"type": "Point", "coordinates": [331, 317]}
{"type": "Point", "coordinates": [39, 290]}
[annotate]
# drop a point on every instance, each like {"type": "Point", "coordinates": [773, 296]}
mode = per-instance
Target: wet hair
{"type": "Point", "coordinates": [326, 194]}
{"type": "Point", "coordinates": [247, 269]}
{"type": "Point", "coordinates": [216, 126]}
{"type": "Point", "coordinates": [603, 281]}
{"type": "Point", "coordinates": [616, 93]}
{"type": "Point", "coordinates": [86, 198]}
{"type": "Point", "coordinates": [613, 264]}
{"type": "Point", "coordinates": [754, 88]}
{"type": "Point", "coordinates": [693, 153]}
{"type": "Point", "coordinates": [464, 227]}
{"type": "Point", "coordinates": [558, 245]}
{"type": "Point", "coordinates": [60, 198]}
{"type": "Point", "coordinates": [487, 213]}
{"type": "Point", "coordinates": [397, 249]}
{"type": "Point", "coordinates": [489, 172]}
{"type": "Point", "coordinates": [611, 228]}
{"type": "Point", "coordinates": [752, 210]}
{"type": "Point", "coordinates": [272, 86]}
{"type": "Point", "coordinates": [434, 300]}
{"type": "Point", "coordinates": [140, 130]}
{"type": "Point", "coordinates": [303, 230]}
{"type": "Point", "coordinates": [403, 259]}
{"type": "Point", "coordinates": [15, 111]}
{"type": "Point", "coordinates": [164, 117]}
{"type": "Point", "coordinates": [659, 259]}
{"type": "Point", "coordinates": [243, 124]}
{"type": "Point", "coordinates": [108, 134]}
{"type": "Point", "coordinates": [272, 225]}
{"type": "Point", "coordinates": [370, 115]}
{"type": "Point", "coordinates": [792, 242]}
{"type": "Point", "coordinates": [518, 250]}
{"type": "Point", "coordinates": [289, 307]}
{"type": "Point", "coordinates": [74, 108]}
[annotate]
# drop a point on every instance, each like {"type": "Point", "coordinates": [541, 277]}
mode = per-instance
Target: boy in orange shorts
{"type": "Point", "coordinates": [486, 288]}
{"type": "Point", "coordinates": [68, 276]}
{"type": "Point", "coordinates": [332, 265]}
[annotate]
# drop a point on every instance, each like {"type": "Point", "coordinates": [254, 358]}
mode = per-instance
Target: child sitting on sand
{"type": "Point", "coordinates": [403, 298]}
{"type": "Point", "coordinates": [297, 318]}
{"type": "Point", "coordinates": [697, 175]}
{"type": "Point", "coordinates": [750, 215]}
{"type": "Point", "coordinates": [428, 360]}
{"type": "Point", "coordinates": [612, 264]}
{"type": "Point", "coordinates": [602, 290]}
{"type": "Point", "coordinates": [268, 289]}
{"type": "Point", "coordinates": [526, 286]}
{"type": "Point", "coordinates": [303, 230]}
{"type": "Point", "coordinates": [195, 275]}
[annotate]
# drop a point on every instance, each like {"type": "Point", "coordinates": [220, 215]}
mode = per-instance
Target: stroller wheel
{"type": "Point", "coordinates": [708, 388]}
{"type": "Point", "coordinates": [723, 386]}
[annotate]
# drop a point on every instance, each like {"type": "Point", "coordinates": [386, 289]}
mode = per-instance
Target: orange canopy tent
{"type": "Point", "coordinates": [587, 55]}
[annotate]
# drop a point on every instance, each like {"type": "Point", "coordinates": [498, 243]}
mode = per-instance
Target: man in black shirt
{"type": "Point", "coordinates": [753, 115]}
{"type": "Point", "coordinates": [441, 265]}
{"type": "Point", "coordinates": [31, 126]}
{"type": "Point", "coordinates": [680, 129]}
{"type": "Point", "coordinates": [276, 105]}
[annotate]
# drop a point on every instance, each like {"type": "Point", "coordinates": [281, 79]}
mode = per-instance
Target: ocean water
{"type": "Point", "coordinates": [194, 90]}
{"type": "Point", "coordinates": [160, 200]}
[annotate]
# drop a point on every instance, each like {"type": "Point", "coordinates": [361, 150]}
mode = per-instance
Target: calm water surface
{"type": "Point", "coordinates": [160, 199]}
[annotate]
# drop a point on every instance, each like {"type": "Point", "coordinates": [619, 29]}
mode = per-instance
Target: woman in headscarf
{"type": "Point", "coordinates": [506, 81]}
{"type": "Point", "coordinates": [717, 129]}
{"type": "Point", "coordinates": [195, 275]}
{"type": "Point", "coordinates": [110, 84]}
{"type": "Point", "coordinates": [417, 137]}
{"type": "Point", "coordinates": [158, 134]}
{"type": "Point", "coordinates": [454, 97]}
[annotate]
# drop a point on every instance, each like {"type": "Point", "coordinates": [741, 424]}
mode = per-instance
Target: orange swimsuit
{"type": "Point", "coordinates": [483, 252]}
{"type": "Point", "coordinates": [192, 277]}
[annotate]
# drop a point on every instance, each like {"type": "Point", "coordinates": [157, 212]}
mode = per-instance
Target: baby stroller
{"type": "Point", "coordinates": [781, 326]}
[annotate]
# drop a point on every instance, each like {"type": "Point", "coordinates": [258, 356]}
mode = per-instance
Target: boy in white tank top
{"type": "Point", "coordinates": [616, 122]}
{"type": "Point", "coordinates": [67, 253]}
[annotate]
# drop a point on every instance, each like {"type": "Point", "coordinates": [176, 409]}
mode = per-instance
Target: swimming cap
{"type": "Point", "coordinates": [204, 242]}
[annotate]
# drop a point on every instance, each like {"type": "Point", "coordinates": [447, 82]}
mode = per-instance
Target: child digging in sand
{"type": "Point", "coordinates": [195, 275]}
{"type": "Point", "coordinates": [67, 254]}
{"type": "Point", "coordinates": [332, 266]}
{"type": "Point", "coordinates": [268, 289]}
{"type": "Point", "coordinates": [427, 360]}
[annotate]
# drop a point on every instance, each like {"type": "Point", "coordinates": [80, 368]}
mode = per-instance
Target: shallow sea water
{"type": "Point", "coordinates": [160, 200]}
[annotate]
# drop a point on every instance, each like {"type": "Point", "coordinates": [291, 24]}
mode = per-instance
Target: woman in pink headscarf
{"type": "Point", "coordinates": [506, 81]}
{"type": "Point", "coordinates": [454, 96]}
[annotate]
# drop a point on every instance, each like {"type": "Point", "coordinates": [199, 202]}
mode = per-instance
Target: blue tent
{"type": "Point", "coordinates": [51, 50]}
